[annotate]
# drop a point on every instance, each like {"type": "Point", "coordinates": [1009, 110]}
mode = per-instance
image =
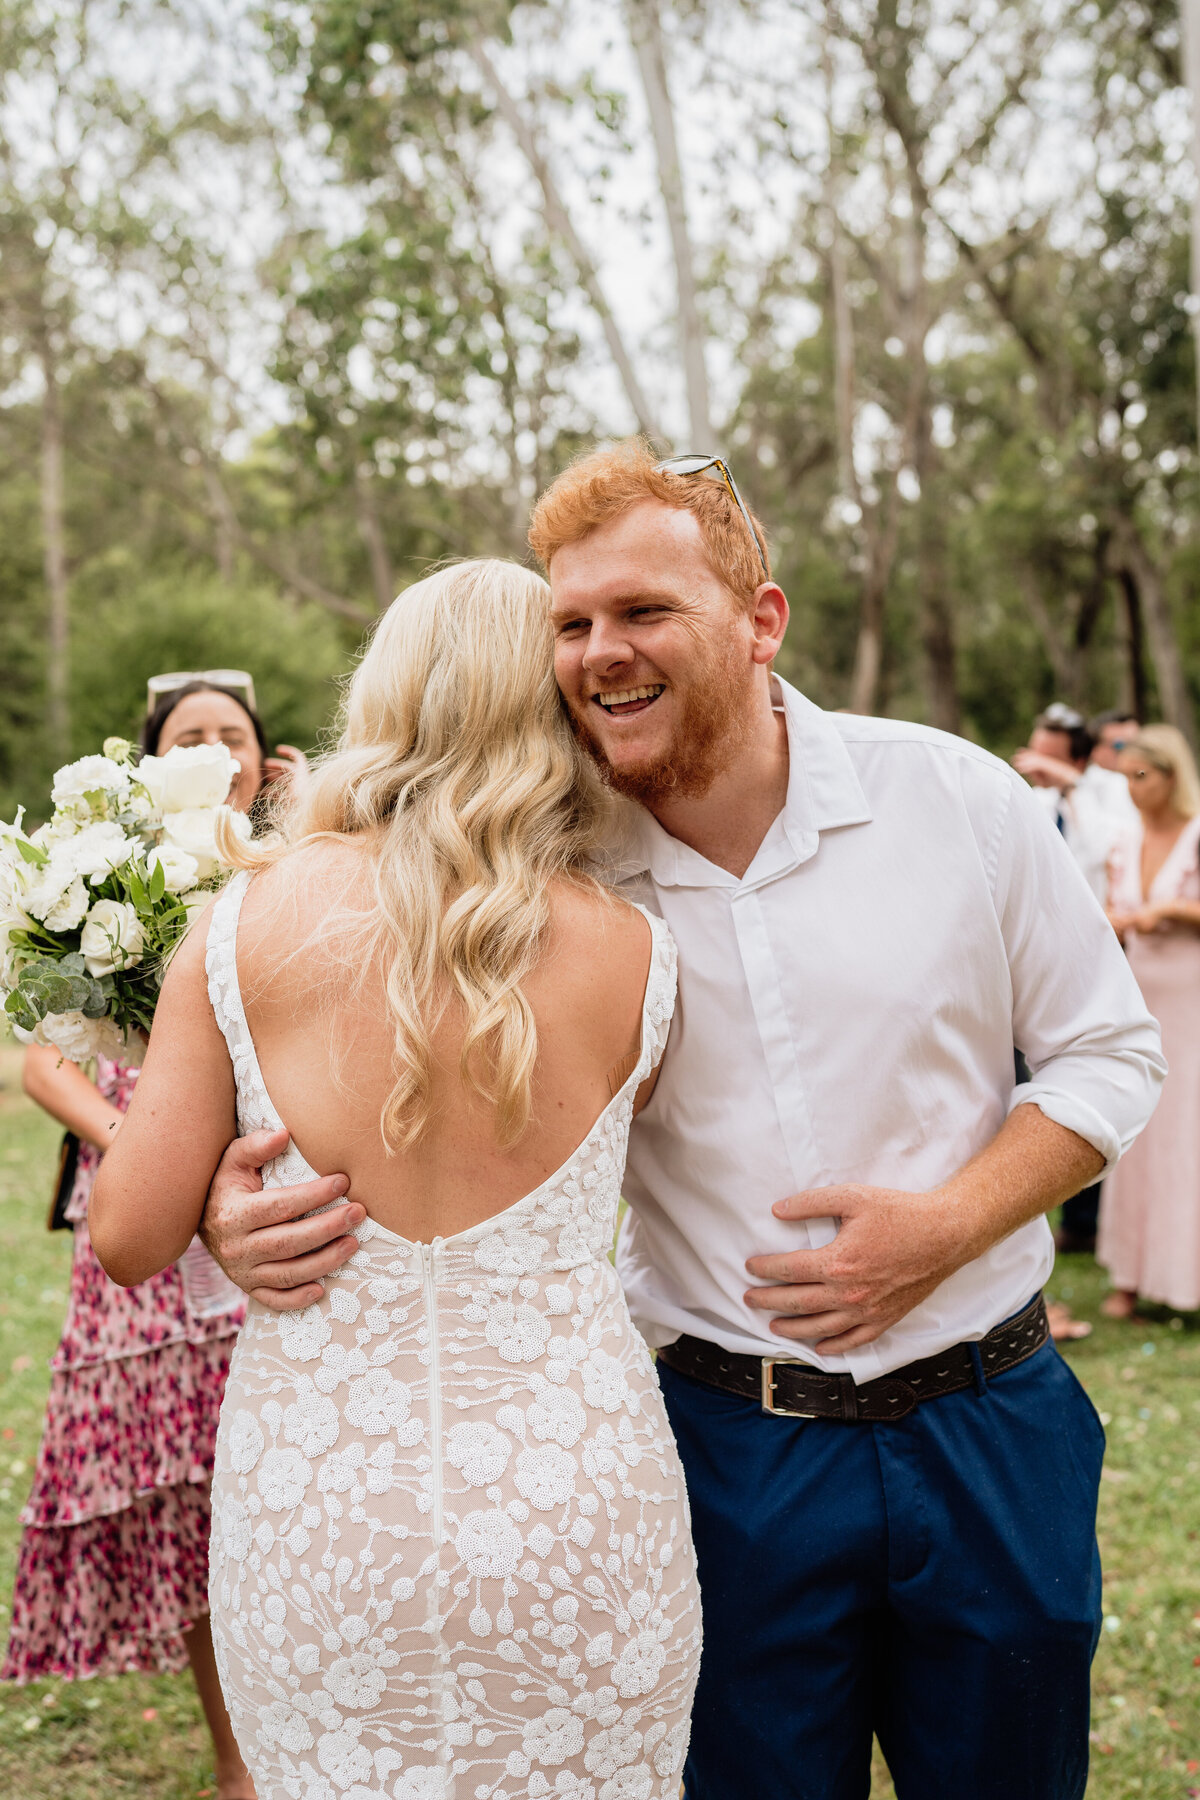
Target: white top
{"type": "Point", "coordinates": [847, 1013]}
{"type": "Point", "coordinates": [1094, 814]}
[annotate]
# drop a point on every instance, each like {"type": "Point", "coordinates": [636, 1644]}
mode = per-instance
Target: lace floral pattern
{"type": "Point", "coordinates": [451, 1555]}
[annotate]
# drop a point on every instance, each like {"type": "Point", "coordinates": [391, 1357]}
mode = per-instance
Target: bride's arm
{"type": "Point", "coordinates": [150, 1190]}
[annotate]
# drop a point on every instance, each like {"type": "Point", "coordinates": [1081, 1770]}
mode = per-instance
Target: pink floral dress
{"type": "Point", "coordinates": [113, 1565]}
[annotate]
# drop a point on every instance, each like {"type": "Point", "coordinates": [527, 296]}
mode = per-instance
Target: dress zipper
{"type": "Point", "coordinates": [428, 1263]}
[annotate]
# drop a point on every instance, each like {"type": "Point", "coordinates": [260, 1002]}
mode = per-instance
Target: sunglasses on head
{"type": "Point", "coordinates": [697, 463]}
{"type": "Point", "coordinates": [237, 679]}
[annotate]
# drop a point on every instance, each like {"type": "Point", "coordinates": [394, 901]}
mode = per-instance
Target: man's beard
{"type": "Point", "coordinates": [714, 713]}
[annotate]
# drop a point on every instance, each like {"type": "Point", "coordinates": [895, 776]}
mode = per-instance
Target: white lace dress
{"type": "Point", "coordinates": [451, 1556]}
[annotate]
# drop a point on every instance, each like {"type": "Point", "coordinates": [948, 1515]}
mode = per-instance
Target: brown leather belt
{"type": "Point", "coordinates": [791, 1390]}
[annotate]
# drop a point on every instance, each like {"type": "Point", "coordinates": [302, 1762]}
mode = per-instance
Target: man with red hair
{"type": "Point", "coordinates": [837, 1237]}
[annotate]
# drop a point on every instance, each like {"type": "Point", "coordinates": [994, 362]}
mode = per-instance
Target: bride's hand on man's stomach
{"type": "Point", "coordinates": [261, 1237]}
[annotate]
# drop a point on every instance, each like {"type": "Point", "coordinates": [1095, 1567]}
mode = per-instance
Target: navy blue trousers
{"type": "Point", "coordinates": [935, 1581]}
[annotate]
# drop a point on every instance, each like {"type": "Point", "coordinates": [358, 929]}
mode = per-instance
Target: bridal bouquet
{"type": "Point", "coordinates": [93, 901]}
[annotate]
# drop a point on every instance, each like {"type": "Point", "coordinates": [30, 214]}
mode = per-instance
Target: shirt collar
{"type": "Point", "coordinates": [824, 792]}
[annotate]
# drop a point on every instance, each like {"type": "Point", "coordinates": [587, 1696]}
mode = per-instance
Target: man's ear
{"type": "Point", "coordinates": [769, 620]}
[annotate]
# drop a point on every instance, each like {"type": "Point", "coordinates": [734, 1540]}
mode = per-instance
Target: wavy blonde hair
{"type": "Point", "coordinates": [457, 769]}
{"type": "Point", "coordinates": [1165, 748]}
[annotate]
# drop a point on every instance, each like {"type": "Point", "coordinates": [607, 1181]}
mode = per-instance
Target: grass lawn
{"type": "Point", "coordinates": [143, 1735]}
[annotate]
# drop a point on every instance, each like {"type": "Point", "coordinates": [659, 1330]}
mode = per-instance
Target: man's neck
{"type": "Point", "coordinates": [727, 824]}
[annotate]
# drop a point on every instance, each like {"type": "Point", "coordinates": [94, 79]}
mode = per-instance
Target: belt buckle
{"type": "Point", "coordinates": [768, 1389]}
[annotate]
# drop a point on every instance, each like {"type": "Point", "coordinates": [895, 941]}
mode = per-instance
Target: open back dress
{"type": "Point", "coordinates": [451, 1556]}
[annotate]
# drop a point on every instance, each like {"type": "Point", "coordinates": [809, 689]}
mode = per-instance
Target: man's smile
{"type": "Point", "coordinates": [622, 703]}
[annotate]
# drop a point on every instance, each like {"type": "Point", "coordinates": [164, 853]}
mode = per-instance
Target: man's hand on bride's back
{"type": "Point", "coordinates": [260, 1236]}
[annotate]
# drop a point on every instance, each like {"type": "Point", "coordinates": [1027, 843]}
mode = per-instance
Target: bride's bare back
{"type": "Point", "coordinates": [324, 1039]}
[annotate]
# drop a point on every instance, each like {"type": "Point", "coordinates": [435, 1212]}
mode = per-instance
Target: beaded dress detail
{"type": "Point", "coordinates": [451, 1554]}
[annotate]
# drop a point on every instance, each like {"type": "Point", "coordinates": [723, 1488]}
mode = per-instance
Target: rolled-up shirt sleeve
{"type": "Point", "coordinates": [1078, 1016]}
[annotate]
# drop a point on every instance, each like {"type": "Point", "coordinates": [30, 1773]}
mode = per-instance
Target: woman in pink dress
{"type": "Point", "coordinates": [112, 1575]}
{"type": "Point", "coordinates": [1149, 1239]}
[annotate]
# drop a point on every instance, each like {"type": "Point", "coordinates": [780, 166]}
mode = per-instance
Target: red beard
{"type": "Point", "coordinates": [714, 709]}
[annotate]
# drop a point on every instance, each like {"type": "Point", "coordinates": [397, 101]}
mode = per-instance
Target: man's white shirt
{"type": "Point", "coordinates": [1092, 816]}
{"type": "Point", "coordinates": [847, 1014]}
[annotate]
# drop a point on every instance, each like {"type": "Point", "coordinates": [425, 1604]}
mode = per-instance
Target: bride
{"type": "Point", "coordinates": [451, 1557]}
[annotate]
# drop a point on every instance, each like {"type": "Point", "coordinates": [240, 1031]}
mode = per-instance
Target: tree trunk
{"type": "Point", "coordinates": [937, 613]}
{"type": "Point", "coordinates": [1135, 689]}
{"type": "Point", "coordinates": [1189, 19]}
{"type": "Point", "coordinates": [382, 581]}
{"type": "Point", "coordinates": [54, 562]}
{"type": "Point", "coordinates": [559, 221]}
{"type": "Point", "coordinates": [224, 524]}
{"type": "Point", "coordinates": [1173, 696]}
{"type": "Point", "coordinates": [645, 31]}
{"type": "Point", "coordinates": [868, 651]}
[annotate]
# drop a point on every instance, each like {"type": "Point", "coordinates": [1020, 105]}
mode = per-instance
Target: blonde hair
{"type": "Point", "coordinates": [1166, 749]}
{"type": "Point", "coordinates": [457, 769]}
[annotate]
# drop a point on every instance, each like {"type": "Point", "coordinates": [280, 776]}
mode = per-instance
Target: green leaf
{"type": "Point", "coordinates": [32, 853]}
{"type": "Point", "coordinates": [137, 889]}
{"type": "Point", "coordinates": [19, 1008]}
{"type": "Point", "coordinates": [158, 882]}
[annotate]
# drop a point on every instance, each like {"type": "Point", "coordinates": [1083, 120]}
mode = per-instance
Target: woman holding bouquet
{"type": "Point", "coordinates": [113, 1566]}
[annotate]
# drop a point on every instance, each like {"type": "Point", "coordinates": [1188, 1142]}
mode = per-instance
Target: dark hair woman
{"type": "Point", "coordinates": [200, 711]}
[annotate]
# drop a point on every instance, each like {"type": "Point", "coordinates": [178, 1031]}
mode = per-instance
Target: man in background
{"type": "Point", "coordinates": [1074, 768]}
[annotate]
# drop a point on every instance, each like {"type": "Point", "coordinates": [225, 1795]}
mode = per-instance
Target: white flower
{"type": "Point", "coordinates": [557, 1735]}
{"type": "Point", "coordinates": [232, 1536]}
{"type": "Point", "coordinates": [95, 851]}
{"type": "Point", "coordinates": [480, 1451]}
{"type": "Point", "coordinates": [489, 1544]}
{"type": "Point", "coordinates": [612, 1749]}
{"type": "Point", "coordinates": [188, 776]}
{"type": "Point", "coordinates": [339, 1472]}
{"type": "Point", "coordinates": [112, 937]}
{"type": "Point", "coordinates": [546, 1477]}
{"type": "Point", "coordinates": [512, 1251]}
{"type": "Point", "coordinates": [181, 871]}
{"type": "Point", "coordinates": [516, 1333]}
{"type": "Point", "coordinates": [557, 1413]}
{"type": "Point", "coordinates": [628, 1784]}
{"type": "Point", "coordinates": [77, 1038]}
{"type": "Point", "coordinates": [637, 1669]}
{"type": "Point", "coordinates": [245, 1442]}
{"type": "Point", "coordinates": [60, 898]}
{"type": "Point", "coordinates": [283, 1479]}
{"type": "Point", "coordinates": [341, 1755]}
{"type": "Point", "coordinates": [281, 1724]}
{"type": "Point", "coordinates": [377, 1403]}
{"type": "Point", "coordinates": [668, 1757]}
{"type": "Point", "coordinates": [90, 775]}
{"type": "Point", "coordinates": [421, 1784]}
{"type": "Point", "coordinates": [194, 832]}
{"type": "Point", "coordinates": [356, 1681]}
{"type": "Point", "coordinates": [604, 1383]}
{"type": "Point", "coordinates": [304, 1334]}
{"type": "Point", "coordinates": [312, 1423]}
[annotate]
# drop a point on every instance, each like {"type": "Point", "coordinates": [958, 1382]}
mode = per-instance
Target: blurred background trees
{"type": "Point", "coordinates": [297, 297]}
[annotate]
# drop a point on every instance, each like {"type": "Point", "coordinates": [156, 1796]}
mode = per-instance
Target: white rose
{"type": "Point", "coordinates": [112, 938]}
{"type": "Point", "coordinates": [58, 896]}
{"type": "Point", "coordinates": [76, 1038]}
{"type": "Point", "coordinates": [188, 776]}
{"type": "Point", "coordinates": [91, 774]}
{"type": "Point", "coordinates": [193, 830]}
{"type": "Point", "coordinates": [95, 851]}
{"type": "Point", "coordinates": [180, 870]}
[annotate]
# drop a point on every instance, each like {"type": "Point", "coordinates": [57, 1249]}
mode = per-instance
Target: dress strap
{"type": "Point", "coordinates": [255, 1111]}
{"type": "Point", "coordinates": [659, 1003]}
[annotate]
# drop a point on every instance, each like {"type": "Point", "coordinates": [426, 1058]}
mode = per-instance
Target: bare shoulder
{"type": "Point", "coordinates": [309, 900]}
{"type": "Point", "coordinates": [597, 961]}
